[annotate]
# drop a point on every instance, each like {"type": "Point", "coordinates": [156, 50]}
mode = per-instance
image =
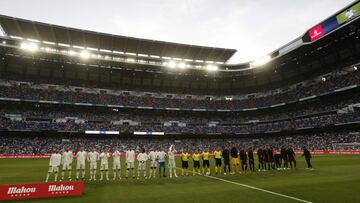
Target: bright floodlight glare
{"type": "Point", "coordinates": [130, 60]}
{"type": "Point", "coordinates": [261, 61]}
{"type": "Point", "coordinates": [355, 67]}
{"type": "Point", "coordinates": [171, 64]}
{"type": "Point", "coordinates": [182, 65]}
{"type": "Point", "coordinates": [29, 46]}
{"type": "Point", "coordinates": [212, 67]}
{"type": "Point", "coordinates": [84, 54]}
{"type": "Point", "coordinates": [72, 53]}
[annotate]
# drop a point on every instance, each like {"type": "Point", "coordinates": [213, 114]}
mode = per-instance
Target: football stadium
{"type": "Point", "coordinates": [91, 116]}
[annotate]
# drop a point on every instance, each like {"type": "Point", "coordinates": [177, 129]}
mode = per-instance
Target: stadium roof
{"type": "Point", "coordinates": [84, 38]}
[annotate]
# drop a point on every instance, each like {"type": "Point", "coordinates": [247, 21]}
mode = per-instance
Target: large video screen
{"type": "Point", "coordinates": [332, 23]}
{"type": "Point", "coordinates": [349, 14]}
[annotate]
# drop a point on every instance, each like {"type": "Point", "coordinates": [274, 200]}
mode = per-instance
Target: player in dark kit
{"type": "Point", "coordinates": [308, 157]}
{"type": "Point", "coordinates": [251, 159]}
{"type": "Point", "coordinates": [266, 158]}
{"type": "Point", "coordinates": [243, 158]}
{"type": "Point", "coordinates": [270, 153]}
{"type": "Point", "coordinates": [260, 159]}
{"type": "Point", "coordinates": [226, 156]}
{"type": "Point", "coordinates": [235, 159]}
{"type": "Point", "coordinates": [277, 159]}
{"type": "Point", "coordinates": [284, 157]}
{"type": "Point", "coordinates": [291, 157]}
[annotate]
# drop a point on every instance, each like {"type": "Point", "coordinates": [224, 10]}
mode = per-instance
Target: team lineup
{"type": "Point", "coordinates": [227, 161]}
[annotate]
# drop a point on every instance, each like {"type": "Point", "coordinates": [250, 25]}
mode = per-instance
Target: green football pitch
{"type": "Point", "coordinates": [336, 178]}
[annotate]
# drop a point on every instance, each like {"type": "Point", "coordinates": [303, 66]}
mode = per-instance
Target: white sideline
{"type": "Point", "coordinates": [254, 188]}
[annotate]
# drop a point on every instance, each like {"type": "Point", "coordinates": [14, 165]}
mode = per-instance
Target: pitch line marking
{"type": "Point", "coordinates": [254, 188]}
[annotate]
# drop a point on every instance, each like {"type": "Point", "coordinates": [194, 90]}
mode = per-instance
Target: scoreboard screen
{"type": "Point", "coordinates": [332, 23]}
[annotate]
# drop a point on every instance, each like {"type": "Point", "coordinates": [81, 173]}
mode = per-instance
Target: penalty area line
{"type": "Point", "coordinates": [254, 188]}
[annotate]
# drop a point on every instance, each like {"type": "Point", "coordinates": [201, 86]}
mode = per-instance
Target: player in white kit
{"type": "Point", "coordinates": [142, 158]}
{"type": "Point", "coordinates": [104, 164]}
{"type": "Point", "coordinates": [67, 158]}
{"type": "Point", "coordinates": [55, 161]}
{"type": "Point", "coordinates": [130, 159]}
{"type": "Point", "coordinates": [116, 164]}
{"type": "Point", "coordinates": [172, 163]}
{"type": "Point", "coordinates": [153, 163]}
{"type": "Point", "coordinates": [80, 163]}
{"type": "Point", "coordinates": [93, 157]}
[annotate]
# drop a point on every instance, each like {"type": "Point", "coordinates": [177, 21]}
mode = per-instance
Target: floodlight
{"type": "Point", "coordinates": [72, 53]}
{"type": "Point", "coordinates": [4, 42]}
{"type": "Point", "coordinates": [355, 67]}
{"type": "Point", "coordinates": [84, 54]}
{"type": "Point", "coordinates": [211, 67]}
{"type": "Point", "coordinates": [261, 61]}
{"type": "Point", "coordinates": [182, 65]}
{"type": "Point", "coordinates": [29, 46]}
{"type": "Point", "coordinates": [130, 60]}
{"type": "Point", "coordinates": [171, 64]}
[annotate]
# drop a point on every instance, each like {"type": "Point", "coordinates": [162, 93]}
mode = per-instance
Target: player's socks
{"type": "Point", "coordinates": [107, 175]}
{"type": "Point", "coordinates": [182, 172]}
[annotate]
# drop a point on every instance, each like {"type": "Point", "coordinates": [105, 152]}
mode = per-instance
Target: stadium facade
{"type": "Point", "coordinates": [61, 81]}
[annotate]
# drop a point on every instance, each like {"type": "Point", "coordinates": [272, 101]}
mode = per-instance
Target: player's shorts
{"type": "Point", "coordinates": [93, 165]}
{"type": "Point", "coordinates": [142, 165]}
{"type": "Point", "coordinates": [130, 165]}
{"type": "Point", "coordinates": [226, 161]}
{"type": "Point", "coordinates": [104, 166]}
{"type": "Point", "coordinates": [153, 163]}
{"type": "Point", "coordinates": [235, 161]}
{"type": "Point", "coordinates": [53, 169]}
{"type": "Point", "coordinates": [185, 164]}
{"type": "Point", "coordinates": [251, 161]}
{"type": "Point", "coordinates": [196, 164]}
{"type": "Point", "coordinates": [80, 165]}
{"type": "Point", "coordinates": [261, 160]}
{"type": "Point", "coordinates": [66, 167]}
{"type": "Point", "coordinates": [162, 164]}
{"type": "Point", "coordinates": [172, 163]}
{"type": "Point", "coordinates": [217, 162]}
{"type": "Point", "coordinates": [206, 163]}
{"type": "Point", "coordinates": [116, 165]}
{"type": "Point", "coordinates": [244, 161]}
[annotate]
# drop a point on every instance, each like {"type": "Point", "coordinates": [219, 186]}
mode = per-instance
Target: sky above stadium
{"type": "Point", "coordinates": [253, 27]}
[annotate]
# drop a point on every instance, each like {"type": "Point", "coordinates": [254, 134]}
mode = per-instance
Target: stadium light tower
{"type": "Point", "coordinates": [29, 46]}
{"type": "Point", "coordinates": [84, 54]}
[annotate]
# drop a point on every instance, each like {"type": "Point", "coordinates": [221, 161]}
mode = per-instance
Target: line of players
{"type": "Point", "coordinates": [267, 160]}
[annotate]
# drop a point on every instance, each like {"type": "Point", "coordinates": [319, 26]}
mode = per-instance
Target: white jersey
{"type": "Point", "coordinates": [171, 154]}
{"type": "Point", "coordinates": [116, 156]}
{"type": "Point", "coordinates": [153, 156]}
{"type": "Point", "coordinates": [67, 157]}
{"type": "Point", "coordinates": [81, 157]}
{"type": "Point", "coordinates": [93, 157]}
{"type": "Point", "coordinates": [55, 159]}
{"type": "Point", "coordinates": [104, 158]}
{"type": "Point", "coordinates": [130, 156]}
{"type": "Point", "coordinates": [161, 156]}
{"type": "Point", "coordinates": [142, 157]}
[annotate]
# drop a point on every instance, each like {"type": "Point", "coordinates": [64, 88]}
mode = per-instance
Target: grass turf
{"type": "Point", "coordinates": [335, 179]}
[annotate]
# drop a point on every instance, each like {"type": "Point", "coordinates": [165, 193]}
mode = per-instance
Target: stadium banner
{"type": "Point", "coordinates": [41, 190]}
{"type": "Point", "coordinates": [349, 14]}
{"type": "Point", "coordinates": [316, 33]}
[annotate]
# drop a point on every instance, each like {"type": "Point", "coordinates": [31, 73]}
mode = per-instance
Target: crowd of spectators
{"type": "Point", "coordinates": [44, 145]}
{"type": "Point", "coordinates": [330, 83]}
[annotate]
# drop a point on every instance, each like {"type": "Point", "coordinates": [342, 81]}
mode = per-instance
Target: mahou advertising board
{"type": "Point", "coordinates": [41, 190]}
